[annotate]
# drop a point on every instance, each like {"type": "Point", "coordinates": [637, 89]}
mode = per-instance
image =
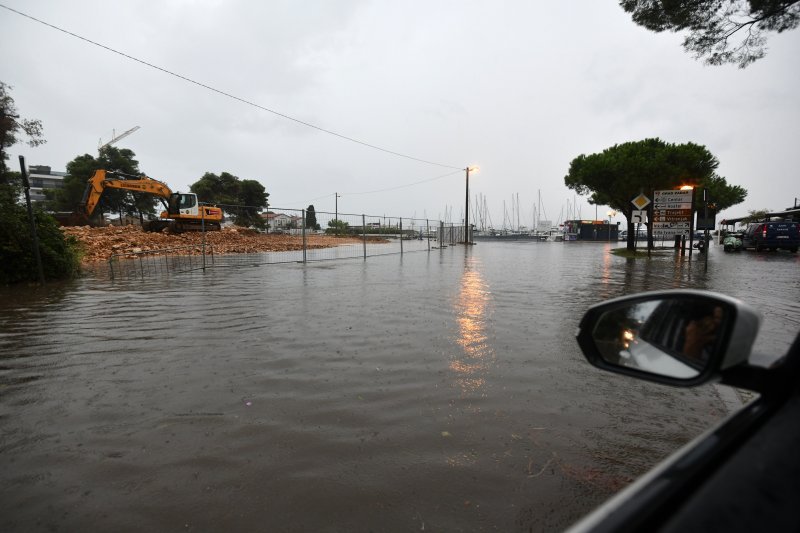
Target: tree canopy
{"type": "Point", "coordinates": [721, 194]}
{"type": "Point", "coordinates": [338, 227]}
{"type": "Point", "coordinates": [721, 31]}
{"type": "Point", "coordinates": [59, 255]}
{"type": "Point", "coordinates": [218, 189]}
{"type": "Point", "coordinates": [11, 126]}
{"type": "Point", "coordinates": [241, 199]}
{"type": "Point", "coordinates": [80, 169]}
{"type": "Point", "coordinates": [311, 217]}
{"type": "Point", "coordinates": [619, 173]}
{"type": "Point", "coordinates": [754, 215]}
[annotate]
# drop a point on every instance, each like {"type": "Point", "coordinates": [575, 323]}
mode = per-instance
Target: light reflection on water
{"type": "Point", "coordinates": [472, 310]}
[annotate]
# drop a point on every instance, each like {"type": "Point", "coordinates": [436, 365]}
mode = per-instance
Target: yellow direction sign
{"type": "Point", "coordinates": [641, 201]}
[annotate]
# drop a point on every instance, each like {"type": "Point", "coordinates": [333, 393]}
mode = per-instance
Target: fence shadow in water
{"type": "Point", "coordinates": [161, 262]}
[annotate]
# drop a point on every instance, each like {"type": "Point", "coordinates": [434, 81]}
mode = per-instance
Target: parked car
{"type": "Point", "coordinates": [741, 475]}
{"type": "Point", "coordinates": [772, 235]}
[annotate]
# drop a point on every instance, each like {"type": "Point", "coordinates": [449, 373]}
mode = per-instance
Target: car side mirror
{"type": "Point", "coordinates": [679, 337]}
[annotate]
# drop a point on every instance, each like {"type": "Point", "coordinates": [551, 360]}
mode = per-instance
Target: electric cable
{"type": "Point", "coordinates": [229, 95]}
{"type": "Point", "coordinates": [406, 185]}
{"type": "Point", "coordinates": [387, 189]}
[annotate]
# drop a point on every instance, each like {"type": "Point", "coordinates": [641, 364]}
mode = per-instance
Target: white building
{"type": "Point", "coordinates": [282, 220]}
{"type": "Point", "coordinates": [41, 178]}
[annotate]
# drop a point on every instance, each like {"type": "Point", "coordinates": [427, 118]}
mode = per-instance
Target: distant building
{"type": "Point", "coordinates": [590, 230]}
{"type": "Point", "coordinates": [41, 178]}
{"type": "Point", "coordinates": [282, 220]}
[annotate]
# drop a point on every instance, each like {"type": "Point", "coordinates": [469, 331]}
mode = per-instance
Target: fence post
{"type": "Point", "coordinates": [304, 236]}
{"type": "Point", "coordinates": [401, 235]}
{"type": "Point", "coordinates": [111, 266]}
{"type": "Point", "coordinates": [364, 233]}
{"type": "Point", "coordinates": [428, 232]}
{"type": "Point", "coordinates": [203, 231]}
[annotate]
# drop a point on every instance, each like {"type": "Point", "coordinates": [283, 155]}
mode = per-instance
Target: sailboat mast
{"type": "Point", "coordinates": [539, 209]}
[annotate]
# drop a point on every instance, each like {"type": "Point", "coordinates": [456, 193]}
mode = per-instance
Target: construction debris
{"type": "Point", "coordinates": [98, 244]}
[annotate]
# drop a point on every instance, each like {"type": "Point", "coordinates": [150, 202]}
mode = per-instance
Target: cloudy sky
{"type": "Point", "coordinates": [517, 88]}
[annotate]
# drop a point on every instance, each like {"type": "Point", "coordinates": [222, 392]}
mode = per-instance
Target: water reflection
{"type": "Point", "coordinates": [606, 274]}
{"type": "Point", "coordinates": [472, 308]}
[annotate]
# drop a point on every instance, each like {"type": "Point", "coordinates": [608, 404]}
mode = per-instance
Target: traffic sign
{"type": "Point", "coordinates": [638, 217]}
{"type": "Point", "coordinates": [670, 232]}
{"type": "Point", "coordinates": [641, 201]}
{"type": "Point", "coordinates": [671, 225]}
{"type": "Point", "coordinates": [670, 219]}
{"type": "Point", "coordinates": [672, 212]}
{"type": "Point", "coordinates": [672, 199]}
{"type": "Point", "coordinates": [673, 195]}
{"type": "Point", "coordinates": [673, 205]}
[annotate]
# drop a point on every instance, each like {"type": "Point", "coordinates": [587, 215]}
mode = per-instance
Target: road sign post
{"type": "Point", "coordinates": [672, 214]}
{"type": "Point", "coordinates": [640, 202]}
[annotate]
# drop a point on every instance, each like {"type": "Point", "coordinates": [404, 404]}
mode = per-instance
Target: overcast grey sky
{"type": "Point", "coordinates": [518, 88]}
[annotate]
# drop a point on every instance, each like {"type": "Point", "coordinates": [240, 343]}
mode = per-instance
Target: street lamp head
{"type": "Point", "coordinates": [687, 187]}
{"type": "Point", "coordinates": [473, 169]}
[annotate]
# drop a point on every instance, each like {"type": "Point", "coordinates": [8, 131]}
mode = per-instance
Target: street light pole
{"type": "Point", "coordinates": [610, 214]}
{"type": "Point", "coordinates": [466, 212]}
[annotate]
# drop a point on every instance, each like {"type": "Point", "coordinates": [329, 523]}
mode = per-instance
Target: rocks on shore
{"type": "Point", "coordinates": [98, 244]}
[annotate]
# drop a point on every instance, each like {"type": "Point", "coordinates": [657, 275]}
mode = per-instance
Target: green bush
{"type": "Point", "coordinates": [59, 253]}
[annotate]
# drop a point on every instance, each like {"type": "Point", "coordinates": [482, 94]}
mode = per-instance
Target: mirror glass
{"type": "Point", "coordinates": [673, 337]}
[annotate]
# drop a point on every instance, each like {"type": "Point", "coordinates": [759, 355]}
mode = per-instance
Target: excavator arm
{"type": "Point", "coordinates": [183, 211]}
{"type": "Point", "coordinates": [100, 181]}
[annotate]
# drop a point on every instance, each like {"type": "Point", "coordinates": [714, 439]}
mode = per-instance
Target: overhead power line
{"type": "Point", "coordinates": [229, 95]}
{"type": "Point", "coordinates": [387, 189]}
{"type": "Point", "coordinates": [406, 185]}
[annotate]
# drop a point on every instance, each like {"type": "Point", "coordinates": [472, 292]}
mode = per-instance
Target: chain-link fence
{"type": "Point", "coordinates": [144, 263]}
{"type": "Point", "coordinates": [285, 235]}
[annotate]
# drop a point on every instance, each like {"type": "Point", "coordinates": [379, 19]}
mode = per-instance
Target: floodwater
{"type": "Point", "coordinates": [439, 391]}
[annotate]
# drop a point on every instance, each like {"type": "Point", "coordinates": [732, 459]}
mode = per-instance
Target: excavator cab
{"type": "Point", "coordinates": [182, 204]}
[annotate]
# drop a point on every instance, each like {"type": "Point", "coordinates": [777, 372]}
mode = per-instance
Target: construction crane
{"type": "Point", "coordinates": [115, 138]}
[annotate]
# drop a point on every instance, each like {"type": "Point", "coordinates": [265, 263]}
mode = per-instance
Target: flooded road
{"type": "Point", "coordinates": [437, 392]}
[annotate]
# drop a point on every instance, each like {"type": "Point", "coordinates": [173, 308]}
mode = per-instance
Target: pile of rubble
{"type": "Point", "coordinates": [98, 244]}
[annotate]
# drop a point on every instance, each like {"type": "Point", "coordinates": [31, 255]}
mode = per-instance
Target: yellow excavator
{"type": "Point", "coordinates": [183, 212]}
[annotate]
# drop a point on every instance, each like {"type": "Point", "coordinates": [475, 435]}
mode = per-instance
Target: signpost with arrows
{"type": "Point", "coordinates": [672, 213]}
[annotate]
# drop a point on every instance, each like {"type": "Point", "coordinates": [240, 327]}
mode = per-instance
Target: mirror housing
{"type": "Point", "coordinates": [676, 337]}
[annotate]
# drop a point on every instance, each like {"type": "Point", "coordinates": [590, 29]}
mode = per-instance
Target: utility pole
{"type": "Point", "coordinates": [336, 216]}
{"type": "Point", "coordinates": [34, 237]}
